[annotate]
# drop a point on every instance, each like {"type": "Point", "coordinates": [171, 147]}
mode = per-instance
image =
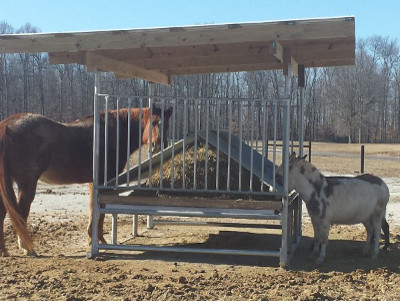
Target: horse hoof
{"type": "Point", "coordinates": [31, 253]}
{"type": "Point", "coordinates": [4, 253]}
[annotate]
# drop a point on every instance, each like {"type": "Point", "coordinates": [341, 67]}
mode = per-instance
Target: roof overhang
{"type": "Point", "coordinates": [156, 54]}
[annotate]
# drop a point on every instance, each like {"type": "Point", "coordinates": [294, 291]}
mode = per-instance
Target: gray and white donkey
{"type": "Point", "coordinates": [340, 200]}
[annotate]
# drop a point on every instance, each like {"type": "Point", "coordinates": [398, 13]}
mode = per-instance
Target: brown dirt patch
{"type": "Point", "coordinates": [62, 272]}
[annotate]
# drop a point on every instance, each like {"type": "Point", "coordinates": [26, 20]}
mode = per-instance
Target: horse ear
{"type": "Point", "coordinates": [168, 112]}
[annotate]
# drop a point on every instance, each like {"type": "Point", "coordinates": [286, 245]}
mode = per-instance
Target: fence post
{"type": "Point", "coordinates": [362, 158]}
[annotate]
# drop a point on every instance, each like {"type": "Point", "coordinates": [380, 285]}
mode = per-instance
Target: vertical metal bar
{"type": "Point", "coordinates": [135, 224]}
{"type": "Point", "coordinates": [162, 141]}
{"type": "Point", "coordinates": [285, 159]}
{"type": "Point", "coordinates": [301, 125]}
{"type": "Point", "coordinates": [207, 133]}
{"type": "Point", "coordinates": [228, 184]}
{"type": "Point", "coordinates": [150, 223]}
{"type": "Point", "coordinates": [185, 128]}
{"type": "Point", "coordinates": [252, 142]}
{"type": "Point", "coordinates": [151, 88]}
{"type": "Point", "coordinates": [114, 228]}
{"type": "Point", "coordinates": [196, 112]}
{"type": "Point", "coordinates": [173, 143]}
{"type": "Point", "coordinates": [140, 141]}
{"type": "Point", "coordinates": [96, 163]}
{"type": "Point", "coordinates": [263, 141]}
{"type": "Point", "coordinates": [240, 116]}
{"type": "Point", "coordinates": [117, 146]}
{"type": "Point", "coordinates": [274, 144]}
{"type": "Point", "coordinates": [105, 141]}
{"type": "Point", "coordinates": [218, 143]}
{"type": "Point", "coordinates": [128, 151]}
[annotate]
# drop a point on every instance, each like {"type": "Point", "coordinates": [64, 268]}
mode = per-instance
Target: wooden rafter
{"type": "Point", "coordinates": [97, 62]}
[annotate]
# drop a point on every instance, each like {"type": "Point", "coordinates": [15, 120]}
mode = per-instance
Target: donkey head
{"type": "Point", "coordinates": [296, 168]}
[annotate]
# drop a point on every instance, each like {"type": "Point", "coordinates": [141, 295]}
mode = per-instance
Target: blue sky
{"type": "Point", "coordinates": [373, 17]}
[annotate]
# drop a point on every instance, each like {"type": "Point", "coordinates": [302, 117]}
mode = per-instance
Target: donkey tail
{"type": "Point", "coordinates": [7, 193]}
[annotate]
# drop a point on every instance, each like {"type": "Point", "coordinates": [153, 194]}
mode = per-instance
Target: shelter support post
{"type": "Point", "coordinates": [96, 162]}
{"type": "Point", "coordinates": [284, 259]}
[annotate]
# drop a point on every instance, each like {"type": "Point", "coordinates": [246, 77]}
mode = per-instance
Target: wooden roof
{"type": "Point", "coordinates": [155, 54]}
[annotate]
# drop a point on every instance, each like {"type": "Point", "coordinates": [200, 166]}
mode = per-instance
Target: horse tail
{"type": "Point", "coordinates": [7, 192]}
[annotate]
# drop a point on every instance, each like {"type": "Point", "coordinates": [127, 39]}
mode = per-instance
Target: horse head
{"type": "Point", "coordinates": [156, 122]}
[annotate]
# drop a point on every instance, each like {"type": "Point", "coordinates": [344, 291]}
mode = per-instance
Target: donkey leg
{"type": "Point", "coordinates": [370, 236]}
{"type": "Point", "coordinates": [315, 247]}
{"type": "Point", "coordinates": [26, 194]}
{"type": "Point", "coordinates": [323, 239]}
{"type": "Point", "coordinates": [3, 250]}
{"type": "Point", "coordinates": [376, 223]}
{"type": "Point", "coordinates": [386, 233]}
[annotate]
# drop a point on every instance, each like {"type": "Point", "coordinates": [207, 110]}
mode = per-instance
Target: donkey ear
{"type": "Point", "coordinates": [168, 112]}
{"type": "Point", "coordinates": [304, 157]}
{"type": "Point", "coordinates": [292, 156]}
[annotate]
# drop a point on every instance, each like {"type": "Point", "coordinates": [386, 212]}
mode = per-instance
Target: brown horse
{"type": "Point", "coordinates": [33, 147]}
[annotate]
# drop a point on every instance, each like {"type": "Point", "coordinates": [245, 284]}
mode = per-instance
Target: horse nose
{"type": "Point", "coordinates": [155, 147]}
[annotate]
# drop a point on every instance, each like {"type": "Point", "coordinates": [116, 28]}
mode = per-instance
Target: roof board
{"type": "Point", "coordinates": [155, 54]}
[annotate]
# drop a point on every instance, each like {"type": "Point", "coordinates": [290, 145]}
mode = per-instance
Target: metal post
{"type": "Point", "coordinates": [285, 159]}
{"type": "Point", "coordinates": [362, 158]}
{"type": "Point", "coordinates": [114, 228]}
{"type": "Point", "coordinates": [96, 162]}
{"type": "Point", "coordinates": [135, 225]}
{"type": "Point", "coordinates": [301, 125]}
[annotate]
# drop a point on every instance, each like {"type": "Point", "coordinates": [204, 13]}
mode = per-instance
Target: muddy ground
{"type": "Point", "coordinates": [62, 271]}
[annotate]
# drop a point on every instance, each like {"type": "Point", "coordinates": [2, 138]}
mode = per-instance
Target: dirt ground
{"type": "Point", "coordinates": [62, 271]}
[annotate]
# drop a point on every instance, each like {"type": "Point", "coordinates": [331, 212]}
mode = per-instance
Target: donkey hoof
{"type": "Point", "coordinates": [319, 262]}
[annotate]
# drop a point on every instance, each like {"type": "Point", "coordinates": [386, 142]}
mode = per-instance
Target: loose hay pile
{"type": "Point", "coordinates": [184, 173]}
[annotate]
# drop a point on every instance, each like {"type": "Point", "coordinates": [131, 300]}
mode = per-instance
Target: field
{"type": "Point", "coordinates": [62, 272]}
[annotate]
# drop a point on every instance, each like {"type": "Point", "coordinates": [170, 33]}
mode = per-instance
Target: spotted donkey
{"type": "Point", "coordinates": [340, 200]}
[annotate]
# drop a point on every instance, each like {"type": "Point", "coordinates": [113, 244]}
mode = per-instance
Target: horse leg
{"type": "Point", "coordinates": [323, 239]}
{"type": "Point", "coordinates": [3, 250]}
{"type": "Point", "coordinates": [100, 235]}
{"type": "Point", "coordinates": [26, 194]}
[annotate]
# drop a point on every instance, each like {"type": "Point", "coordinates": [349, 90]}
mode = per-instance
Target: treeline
{"type": "Point", "coordinates": [358, 103]}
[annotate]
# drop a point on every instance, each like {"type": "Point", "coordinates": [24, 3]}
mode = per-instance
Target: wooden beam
{"type": "Point", "coordinates": [95, 62]}
{"type": "Point", "coordinates": [66, 57]}
{"type": "Point", "coordinates": [276, 49]}
{"type": "Point", "coordinates": [222, 69]}
{"type": "Point", "coordinates": [331, 28]}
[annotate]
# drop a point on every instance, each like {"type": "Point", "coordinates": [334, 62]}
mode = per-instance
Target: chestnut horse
{"type": "Point", "coordinates": [33, 147]}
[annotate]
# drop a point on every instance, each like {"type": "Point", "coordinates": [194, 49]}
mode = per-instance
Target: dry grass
{"type": "Point", "coordinates": [380, 159]}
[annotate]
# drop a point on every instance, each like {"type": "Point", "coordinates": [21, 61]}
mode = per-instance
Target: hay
{"type": "Point", "coordinates": [185, 177]}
